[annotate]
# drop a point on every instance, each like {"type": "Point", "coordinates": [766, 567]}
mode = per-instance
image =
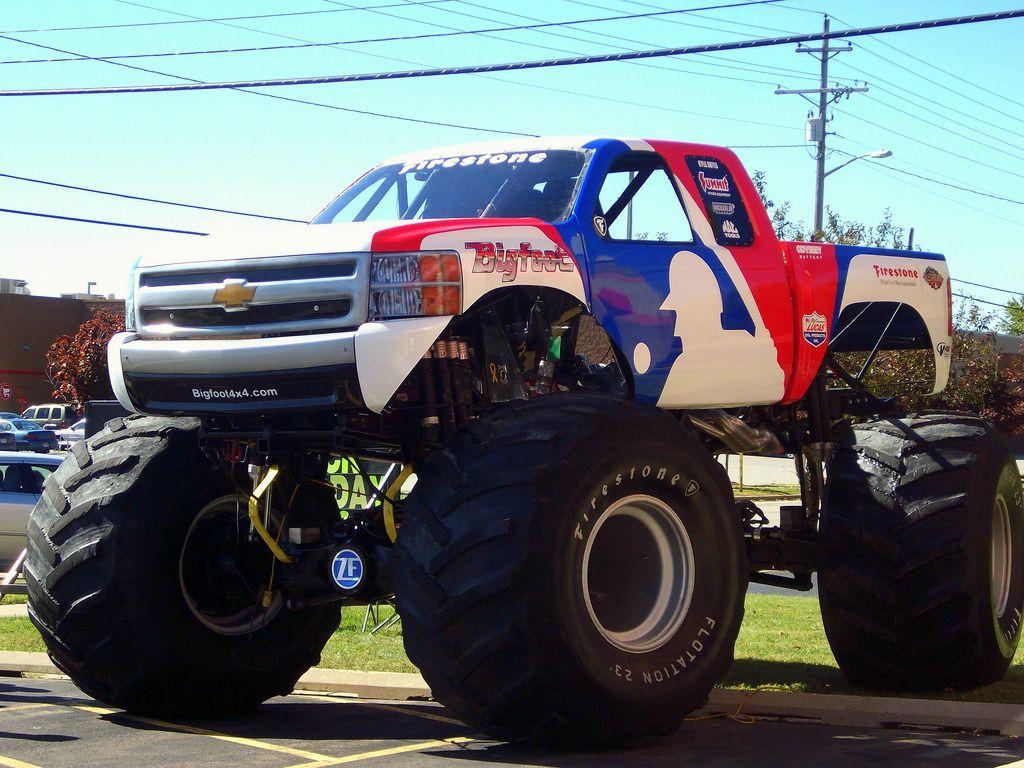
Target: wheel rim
{"type": "Point", "coordinates": [638, 574]}
{"type": "Point", "coordinates": [1002, 556]}
{"type": "Point", "coordinates": [223, 571]}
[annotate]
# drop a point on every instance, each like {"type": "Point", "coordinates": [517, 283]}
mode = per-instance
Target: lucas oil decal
{"type": "Point", "coordinates": [815, 328]}
{"type": "Point", "coordinates": [494, 257]}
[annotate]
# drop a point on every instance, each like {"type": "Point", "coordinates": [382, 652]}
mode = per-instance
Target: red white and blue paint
{"type": "Point", "coordinates": [735, 317]}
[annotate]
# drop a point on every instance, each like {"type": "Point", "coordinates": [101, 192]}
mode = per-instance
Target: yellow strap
{"type": "Point", "coordinates": [254, 514]}
{"type": "Point", "coordinates": [390, 493]}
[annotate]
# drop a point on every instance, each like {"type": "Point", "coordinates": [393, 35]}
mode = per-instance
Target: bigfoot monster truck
{"type": "Point", "coordinates": [557, 336]}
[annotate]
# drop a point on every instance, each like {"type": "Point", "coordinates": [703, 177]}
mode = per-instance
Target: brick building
{"type": "Point", "coordinates": [28, 326]}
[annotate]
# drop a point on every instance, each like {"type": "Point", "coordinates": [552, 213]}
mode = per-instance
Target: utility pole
{"type": "Point", "coordinates": [816, 126]}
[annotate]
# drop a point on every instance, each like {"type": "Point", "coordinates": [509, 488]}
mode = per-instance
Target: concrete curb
{"type": "Point", "coordinates": [869, 711]}
{"type": "Point", "coordinates": [23, 662]}
{"type": "Point", "coordinates": [828, 709]}
{"type": "Point", "coordinates": [396, 686]}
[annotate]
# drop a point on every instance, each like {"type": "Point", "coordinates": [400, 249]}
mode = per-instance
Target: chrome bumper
{"type": "Point", "coordinates": [233, 375]}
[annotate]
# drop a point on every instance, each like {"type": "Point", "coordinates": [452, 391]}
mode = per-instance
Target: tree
{"type": "Point", "coordinates": [76, 364]}
{"type": "Point", "coordinates": [835, 229]}
{"type": "Point", "coordinates": [1014, 320]}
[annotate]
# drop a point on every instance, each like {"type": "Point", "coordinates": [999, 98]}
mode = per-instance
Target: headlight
{"type": "Point", "coordinates": [129, 299]}
{"type": "Point", "coordinates": [415, 285]}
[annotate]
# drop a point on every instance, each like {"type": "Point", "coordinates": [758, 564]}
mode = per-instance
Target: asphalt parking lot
{"type": "Point", "coordinates": [48, 723]}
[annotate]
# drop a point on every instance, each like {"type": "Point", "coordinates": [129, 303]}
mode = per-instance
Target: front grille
{"type": "Point", "coordinates": [217, 317]}
{"type": "Point", "coordinates": [281, 295]}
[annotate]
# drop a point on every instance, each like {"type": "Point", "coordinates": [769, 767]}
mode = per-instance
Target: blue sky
{"type": "Point", "coordinates": [238, 150]}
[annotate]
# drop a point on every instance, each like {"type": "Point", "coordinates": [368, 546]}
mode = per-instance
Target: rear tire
{"type": "Point", "coordinates": [105, 544]}
{"type": "Point", "coordinates": [922, 574]}
{"type": "Point", "coordinates": [571, 570]}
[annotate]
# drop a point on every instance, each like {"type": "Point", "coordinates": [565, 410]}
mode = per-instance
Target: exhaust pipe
{"type": "Point", "coordinates": [736, 435]}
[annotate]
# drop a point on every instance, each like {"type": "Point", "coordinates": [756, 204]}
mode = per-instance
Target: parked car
{"type": "Point", "coordinates": [61, 415]}
{"type": "Point", "coordinates": [29, 436]}
{"type": "Point", "coordinates": [9, 415]}
{"type": "Point", "coordinates": [21, 481]}
{"type": "Point", "coordinates": [68, 437]}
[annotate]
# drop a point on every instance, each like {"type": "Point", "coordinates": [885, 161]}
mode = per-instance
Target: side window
{"type": "Point", "coordinates": [41, 413]}
{"type": "Point", "coordinates": [35, 476]}
{"type": "Point", "coordinates": [29, 414]}
{"type": "Point", "coordinates": [638, 202]}
{"type": "Point", "coordinates": [10, 479]}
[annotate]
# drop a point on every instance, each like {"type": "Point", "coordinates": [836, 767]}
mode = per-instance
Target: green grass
{"type": "Point", "coordinates": [18, 634]}
{"type": "Point", "coordinates": [781, 489]}
{"type": "Point", "coordinates": [13, 600]}
{"type": "Point", "coordinates": [781, 647]}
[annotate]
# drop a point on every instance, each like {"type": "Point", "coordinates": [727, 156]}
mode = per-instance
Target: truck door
{"type": "Point", "coordinates": [685, 310]}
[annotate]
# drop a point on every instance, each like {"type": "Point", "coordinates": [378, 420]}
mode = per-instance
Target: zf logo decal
{"type": "Point", "coordinates": [347, 569]}
{"type": "Point", "coordinates": [601, 226]}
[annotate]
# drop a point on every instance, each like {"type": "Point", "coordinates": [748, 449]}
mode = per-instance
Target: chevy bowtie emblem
{"type": "Point", "coordinates": [234, 295]}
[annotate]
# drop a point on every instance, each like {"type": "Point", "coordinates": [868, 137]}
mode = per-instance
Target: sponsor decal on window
{"type": "Point", "coordinates": [489, 158]}
{"type": "Point", "coordinates": [726, 212]}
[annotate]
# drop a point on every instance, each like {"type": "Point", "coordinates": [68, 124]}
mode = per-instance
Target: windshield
{"type": "Point", "coordinates": [28, 425]}
{"type": "Point", "coordinates": [538, 185]}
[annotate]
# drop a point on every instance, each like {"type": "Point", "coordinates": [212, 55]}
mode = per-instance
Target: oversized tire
{"type": "Point", "coordinates": [571, 570]}
{"type": "Point", "coordinates": [922, 572]}
{"type": "Point", "coordinates": [104, 574]}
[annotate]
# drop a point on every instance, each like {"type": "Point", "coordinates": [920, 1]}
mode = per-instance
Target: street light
{"type": "Point", "coordinates": [878, 154]}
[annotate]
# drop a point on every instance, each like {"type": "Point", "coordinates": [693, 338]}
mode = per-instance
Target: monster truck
{"type": "Point", "coordinates": [558, 337]}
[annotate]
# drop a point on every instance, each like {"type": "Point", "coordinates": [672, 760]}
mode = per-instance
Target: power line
{"type": "Point", "coordinates": [934, 82]}
{"type": "Point", "coordinates": [766, 146]}
{"type": "Point", "coordinates": [979, 301]}
{"type": "Point", "coordinates": [524, 65]}
{"type": "Point", "coordinates": [893, 131]}
{"type": "Point", "coordinates": [701, 60]}
{"type": "Point", "coordinates": [888, 172]}
{"type": "Point", "coordinates": [100, 221]}
{"type": "Point", "coordinates": [602, 97]}
{"type": "Point", "coordinates": [279, 97]}
{"type": "Point", "coordinates": [393, 38]}
{"type": "Point", "coordinates": [989, 287]}
{"type": "Point", "coordinates": [905, 92]}
{"type": "Point", "coordinates": [957, 186]}
{"type": "Point", "coordinates": [140, 198]}
{"type": "Point", "coordinates": [221, 18]}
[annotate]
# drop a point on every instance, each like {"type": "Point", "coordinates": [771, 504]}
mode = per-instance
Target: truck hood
{"type": "Point", "coordinates": [262, 240]}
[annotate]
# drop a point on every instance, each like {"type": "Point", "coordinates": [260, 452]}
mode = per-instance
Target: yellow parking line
{"type": "Point", "coordinates": [384, 752]}
{"type": "Point", "coordinates": [196, 731]}
{"type": "Point", "coordinates": [19, 707]}
{"type": "Point", "coordinates": [10, 762]}
{"type": "Point", "coordinates": [411, 710]}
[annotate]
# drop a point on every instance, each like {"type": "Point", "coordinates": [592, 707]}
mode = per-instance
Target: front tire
{"type": "Point", "coordinates": [571, 569]}
{"type": "Point", "coordinates": [105, 555]}
{"type": "Point", "coordinates": [922, 573]}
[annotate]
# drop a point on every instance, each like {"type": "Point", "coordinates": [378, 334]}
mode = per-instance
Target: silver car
{"type": "Point", "coordinates": [21, 481]}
